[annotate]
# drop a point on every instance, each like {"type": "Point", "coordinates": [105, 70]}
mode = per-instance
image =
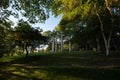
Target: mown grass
{"type": "Point", "coordinates": [60, 66]}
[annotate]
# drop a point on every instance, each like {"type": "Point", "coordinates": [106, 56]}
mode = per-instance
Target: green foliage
{"type": "Point", "coordinates": [90, 22]}
{"type": "Point", "coordinates": [5, 44]}
{"type": "Point", "coordinates": [27, 36]}
{"type": "Point", "coordinates": [16, 40]}
{"type": "Point", "coordinates": [2, 42]}
{"type": "Point", "coordinates": [70, 8]}
{"type": "Point", "coordinates": [33, 10]}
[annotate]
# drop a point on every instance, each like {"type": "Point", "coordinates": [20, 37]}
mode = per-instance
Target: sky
{"type": "Point", "coordinates": [49, 24]}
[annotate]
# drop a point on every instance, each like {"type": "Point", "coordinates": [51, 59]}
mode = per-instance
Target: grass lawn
{"type": "Point", "coordinates": [60, 66]}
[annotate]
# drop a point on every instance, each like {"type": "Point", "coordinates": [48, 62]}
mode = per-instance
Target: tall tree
{"type": "Point", "coordinates": [88, 8]}
{"type": "Point", "coordinates": [28, 36]}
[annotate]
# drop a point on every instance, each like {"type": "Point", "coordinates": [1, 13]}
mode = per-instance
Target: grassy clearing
{"type": "Point", "coordinates": [60, 66]}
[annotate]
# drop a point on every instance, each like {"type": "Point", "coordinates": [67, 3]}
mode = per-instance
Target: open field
{"type": "Point", "coordinates": [60, 66]}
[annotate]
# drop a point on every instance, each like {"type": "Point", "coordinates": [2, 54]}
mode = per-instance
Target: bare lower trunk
{"type": "Point", "coordinates": [98, 45]}
{"type": "Point", "coordinates": [109, 38]}
{"type": "Point", "coordinates": [26, 50]}
{"type": "Point", "coordinates": [70, 48]}
{"type": "Point", "coordinates": [70, 44]}
{"type": "Point", "coordinates": [107, 50]}
{"type": "Point", "coordinates": [107, 43]}
{"type": "Point", "coordinates": [61, 47]}
{"type": "Point", "coordinates": [106, 47]}
{"type": "Point", "coordinates": [53, 44]}
{"type": "Point", "coordinates": [106, 40]}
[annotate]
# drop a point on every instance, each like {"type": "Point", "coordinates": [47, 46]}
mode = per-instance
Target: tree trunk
{"type": "Point", "coordinates": [107, 50]}
{"type": "Point", "coordinates": [98, 45]}
{"type": "Point", "coordinates": [1, 55]}
{"type": "Point", "coordinates": [109, 38]}
{"type": "Point", "coordinates": [61, 47]}
{"type": "Point", "coordinates": [26, 50]}
{"type": "Point", "coordinates": [53, 44]}
{"type": "Point", "coordinates": [106, 41]}
{"type": "Point", "coordinates": [70, 45]}
{"type": "Point", "coordinates": [107, 47]}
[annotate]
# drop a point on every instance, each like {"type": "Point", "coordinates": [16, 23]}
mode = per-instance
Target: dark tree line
{"type": "Point", "coordinates": [21, 38]}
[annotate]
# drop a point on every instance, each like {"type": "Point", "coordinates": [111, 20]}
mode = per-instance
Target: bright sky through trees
{"type": "Point", "coordinates": [49, 24]}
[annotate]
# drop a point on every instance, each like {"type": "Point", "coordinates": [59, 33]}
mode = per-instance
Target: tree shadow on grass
{"type": "Point", "coordinates": [13, 72]}
{"type": "Point", "coordinates": [87, 73]}
{"type": "Point", "coordinates": [57, 68]}
{"type": "Point", "coordinates": [23, 72]}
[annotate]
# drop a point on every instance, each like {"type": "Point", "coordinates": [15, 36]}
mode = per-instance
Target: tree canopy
{"type": "Point", "coordinates": [33, 10]}
{"type": "Point", "coordinates": [84, 11]}
{"type": "Point", "coordinates": [27, 36]}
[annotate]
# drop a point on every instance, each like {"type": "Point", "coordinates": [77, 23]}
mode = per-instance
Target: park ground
{"type": "Point", "coordinates": [61, 66]}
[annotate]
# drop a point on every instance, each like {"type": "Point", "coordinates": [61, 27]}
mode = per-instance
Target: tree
{"type": "Point", "coordinates": [2, 36]}
{"type": "Point", "coordinates": [48, 34]}
{"type": "Point", "coordinates": [5, 27]}
{"type": "Point", "coordinates": [28, 36]}
{"type": "Point", "coordinates": [54, 36]}
{"type": "Point", "coordinates": [60, 35]}
{"type": "Point", "coordinates": [68, 28]}
{"type": "Point", "coordinates": [34, 10]}
{"type": "Point", "coordinates": [88, 8]}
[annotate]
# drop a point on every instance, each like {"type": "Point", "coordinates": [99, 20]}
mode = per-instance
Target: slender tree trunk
{"type": "Point", "coordinates": [70, 44]}
{"type": "Point", "coordinates": [26, 50]}
{"type": "Point", "coordinates": [53, 44]}
{"type": "Point", "coordinates": [98, 45]}
{"type": "Point", "coordinates": [56, 44]}
{"type": "Point", "coordinates": [106, 41]}
{"type": "Point", "coordinates": [61, 47]}
{"type": "Point", "coordinates": [109, 38]}
{"type": "Point", "coordinates": [107, 45]}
